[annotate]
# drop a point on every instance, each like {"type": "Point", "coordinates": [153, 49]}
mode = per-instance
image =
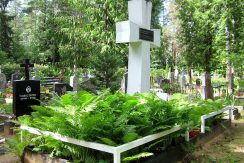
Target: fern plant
{"type": "Point", "coordinates": [111, 119]}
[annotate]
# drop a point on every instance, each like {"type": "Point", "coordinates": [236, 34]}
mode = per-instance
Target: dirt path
{"type": "Point", "coordinates": [226, 148]}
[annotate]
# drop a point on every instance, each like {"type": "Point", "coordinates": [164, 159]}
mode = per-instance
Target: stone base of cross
{"type": "Point", "coordinates": [136, 31]}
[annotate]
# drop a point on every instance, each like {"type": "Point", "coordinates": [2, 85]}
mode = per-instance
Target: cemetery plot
{"type": "Point", "coordinates": [115, 119]}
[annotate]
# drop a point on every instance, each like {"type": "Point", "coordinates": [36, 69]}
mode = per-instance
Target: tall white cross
{"type": "Point", "coordinates": [136, 31]}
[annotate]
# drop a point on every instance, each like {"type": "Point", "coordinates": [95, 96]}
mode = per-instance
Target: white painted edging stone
{"type": "Point", "coordinates": [206, 116]}
{"type": "Point", "coordinates": [116, 151]}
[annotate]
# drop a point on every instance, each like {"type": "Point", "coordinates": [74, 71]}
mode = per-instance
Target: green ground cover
{"type": "Point", "coordinates": [112, 119]}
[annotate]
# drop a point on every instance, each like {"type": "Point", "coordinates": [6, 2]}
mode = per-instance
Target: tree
{"type": "Point", "coordinates": [230, 38]}
{"type": "Point", "coordinates": [5, 29]}
{"type": "Point", "coordinates": [198, 34]}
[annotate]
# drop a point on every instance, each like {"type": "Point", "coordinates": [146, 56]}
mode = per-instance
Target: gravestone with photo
{"type": "Point", "coordinates": [25, 93]}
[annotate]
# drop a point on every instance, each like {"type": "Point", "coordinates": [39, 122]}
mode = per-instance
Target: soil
{"type": "Point", "coordinates": [227, 147]}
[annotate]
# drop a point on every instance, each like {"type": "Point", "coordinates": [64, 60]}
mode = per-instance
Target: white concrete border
{"type": "Point", "coordinates": [204, 117]}
{"type": "Point", "coordinates": [116, 151]}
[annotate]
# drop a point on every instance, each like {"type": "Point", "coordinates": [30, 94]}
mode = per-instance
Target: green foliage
{"type": "Point", "coordinates": [6, 108]}
{"type": "Point", "coordinates": [241, 83]}
{"type": "Point", "coordinates": [138, 156]}
{"type": "Point", "coordinates": [5, 29]}
{"type": "Point", "coordinates": [191, 109]}
{"type": "Point", "coordinates": [113, 119]}
{"type": "Point", "coordinates": [171, 88]}
{"type": "Point", "coordinates": [110, 119]}
{"type": "Point", "coordinates": [17, 146]}
{"type": "Point", "coordinates": [211, 34]}
{"type": "Point", "coordinates": [9, 68]}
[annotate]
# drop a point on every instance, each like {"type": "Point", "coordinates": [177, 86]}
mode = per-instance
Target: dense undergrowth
{"type": "Point", "coordinates": [111, 119]}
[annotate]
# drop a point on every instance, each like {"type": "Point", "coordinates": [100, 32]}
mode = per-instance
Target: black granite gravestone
{"type": "Point", "coordinates": [25, 93]}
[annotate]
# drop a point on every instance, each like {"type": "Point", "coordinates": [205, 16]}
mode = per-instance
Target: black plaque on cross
{"type": "Point", "coordinates": [145, 34]}
{"type": "Point", "coordinates": [26, 93]}
{"type": "Point", "coordinates": [27, 65]}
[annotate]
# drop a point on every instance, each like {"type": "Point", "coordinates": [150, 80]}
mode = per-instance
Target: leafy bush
{"type": "Point", "coordinates": [9, 68]}
{"type": "Point", "coordinates": [112, 119]}
{"type": "Point", "coordinates": [191, 109]}
{"type": "Point", "coordinates": [6, 108]}
{"type": "Point", "coordinates": [241, 83]}
{"type": "Point", "coordinates": [171, 88]}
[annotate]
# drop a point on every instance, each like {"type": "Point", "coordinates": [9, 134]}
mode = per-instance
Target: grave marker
{"type": "Point", "coordinates": [74, 80]}
{"type": "Point", "coordinates": [62, 88]}
{"type": "Point", "coordinates": [15, 76]}
{"type": "Point", "coordinates": [3, 80]}
{"type": "Point", "coordinates": [136, 31]}
{"type": "Point", "coordinates": [176, 74]}
{"type": "Point", "coordinates": [123, 83]}
{"type": "Point", "coordinates": [203, 93]}
{"type": "Point", "coordinates": [182, 80]}
{"type": "Point", "coordinates": [36, 76]}
{"type": "Point", "coordinates": [25, 93]}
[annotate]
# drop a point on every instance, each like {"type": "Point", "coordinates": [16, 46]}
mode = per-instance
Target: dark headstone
{"type": "Point", "coordinates": [25, 94]}
{"type": "Point", "coordinates": [15, 76]}
{"type": "Point", "coordinates": [62, 88]}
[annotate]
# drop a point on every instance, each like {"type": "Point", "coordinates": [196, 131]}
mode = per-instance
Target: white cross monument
{"type": "Point", "coordinates": [136, 31]}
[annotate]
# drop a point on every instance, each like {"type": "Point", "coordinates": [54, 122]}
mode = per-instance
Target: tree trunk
{"type": "Point", "coordinates": [230, 78]}
{"type": "Point", "coordinates": [190, 76]}
{"type": "Point", "coordinates": [208, 55]}
{"type": "Point", "coordinates": [229, 73]}
{"type": "Point", "coordinates": [209, 88]}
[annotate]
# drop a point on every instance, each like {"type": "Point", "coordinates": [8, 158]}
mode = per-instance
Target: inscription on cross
{"type": "Point", "coordinates": [27, 65]}
{"type": "Point", "coordinates": [136, 31]}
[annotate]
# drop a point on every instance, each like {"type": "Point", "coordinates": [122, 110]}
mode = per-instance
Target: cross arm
{"type": "Point", "coordinates": [129, 32]}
